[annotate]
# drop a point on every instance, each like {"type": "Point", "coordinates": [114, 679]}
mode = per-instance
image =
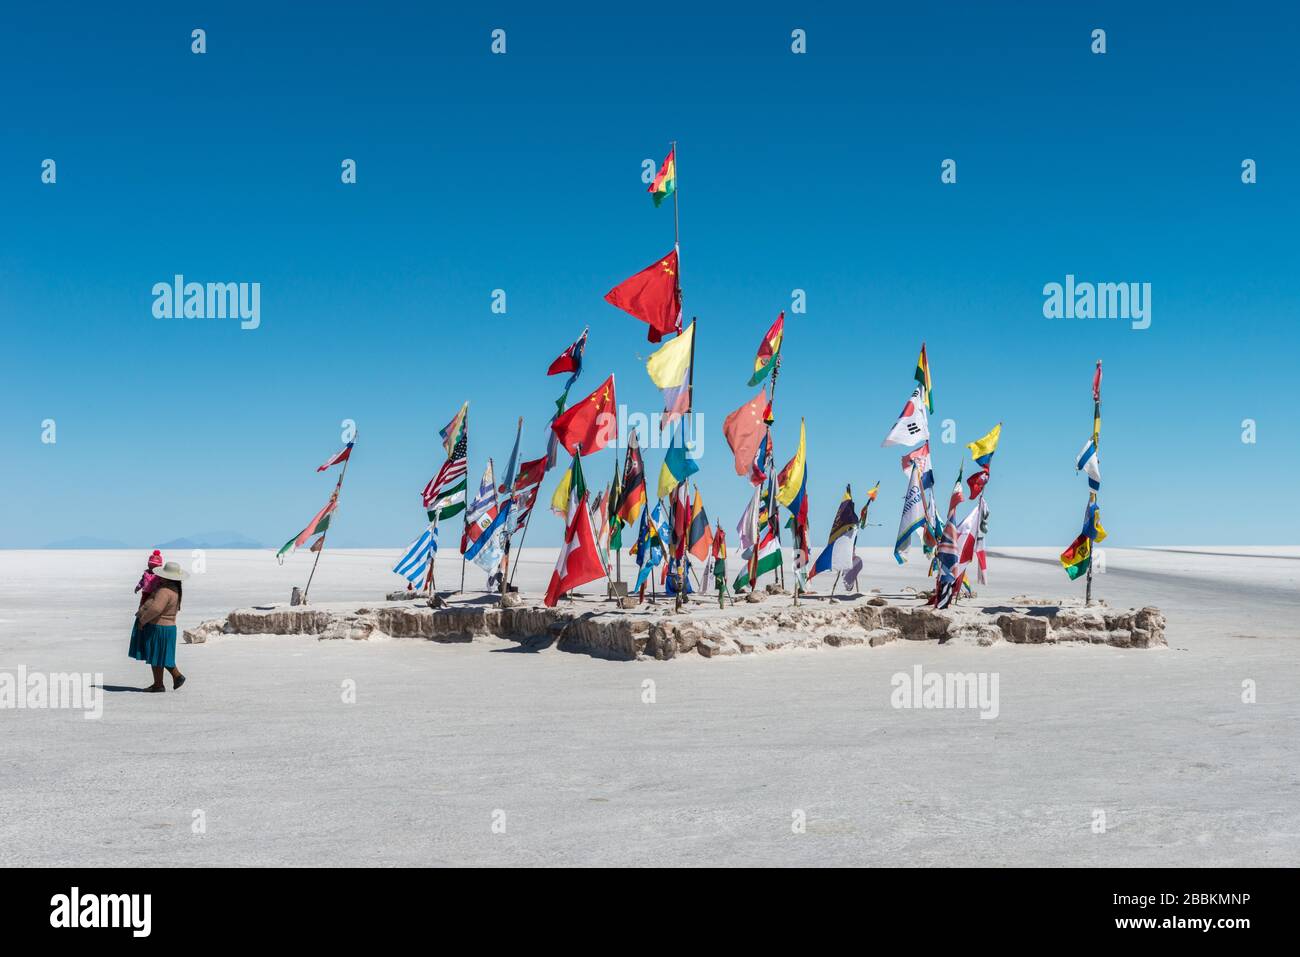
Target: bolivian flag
{"type": "Point", "coordinates": [768, 350]}
{"type": "Point", "coordinates": [665, 182]}
{"type": "Point", "coordinates": [1078, 557]}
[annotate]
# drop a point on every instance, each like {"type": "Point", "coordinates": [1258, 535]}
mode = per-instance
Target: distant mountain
{"type": "Point", "coordinates": [211, 540]}
{"type": "Point", "coordinates": [87, 541]}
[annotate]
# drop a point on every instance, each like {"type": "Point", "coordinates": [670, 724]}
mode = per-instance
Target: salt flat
{"type": "Point", "coordinates": [443, 740]}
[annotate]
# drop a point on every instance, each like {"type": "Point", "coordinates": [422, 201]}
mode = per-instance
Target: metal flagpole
{"type": "Point", "coordinates": [1092, 495]}
{"type": "Point", "coordinates": [464, 515]}
{"type": "Point", "coordinates": [338, 487]}
{"type": "Point", "coordinates": [524, 537]}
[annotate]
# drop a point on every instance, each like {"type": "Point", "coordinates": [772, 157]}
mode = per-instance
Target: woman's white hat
{"type": "Point", "coordinates": [172, 571]}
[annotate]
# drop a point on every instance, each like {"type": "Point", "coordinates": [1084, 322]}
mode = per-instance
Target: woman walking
{"type": "Point", "coordinates": [154, 638]}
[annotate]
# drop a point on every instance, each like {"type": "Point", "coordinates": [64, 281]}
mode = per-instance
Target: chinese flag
{"type": "Point", "coordinates": [591, 423]}
{"type": "Point", "coordinates": [652, 296]}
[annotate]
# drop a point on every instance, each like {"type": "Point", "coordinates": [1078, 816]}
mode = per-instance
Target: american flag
{"type": "Point", "coordinates": [451, 474]}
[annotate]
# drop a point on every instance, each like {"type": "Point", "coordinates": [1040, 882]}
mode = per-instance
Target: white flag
{"type": "Point", "coordinates": [913, 515]}
{"type": "Point", "coordinates": [913, 423]}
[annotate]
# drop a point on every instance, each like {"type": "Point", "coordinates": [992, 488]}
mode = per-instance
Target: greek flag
{"type": "Point", "coordinates": [415, 563]}
{"type": "Point", "coordinates": [1089, 465]}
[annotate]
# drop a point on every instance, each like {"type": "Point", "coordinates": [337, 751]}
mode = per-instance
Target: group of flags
{"type": "Point", "coordinates": [320, 522]}
{"type": "Point", "coordinates": [1077, 558]}
{"type": "Point", "coordinates": [953, 544]}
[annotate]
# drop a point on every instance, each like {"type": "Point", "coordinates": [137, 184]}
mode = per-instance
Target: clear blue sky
{"type": "Point", "coordinates": [522, 172]}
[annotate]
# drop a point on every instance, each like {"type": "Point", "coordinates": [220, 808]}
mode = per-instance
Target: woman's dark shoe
{"type": "Point", "coordinates": [156, 688]}
{"type": "Point", "coordinates": [177, 682]}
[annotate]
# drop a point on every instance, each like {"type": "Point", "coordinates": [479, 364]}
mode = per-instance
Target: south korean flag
{"type": "Point", "coordinates": [913, 425]}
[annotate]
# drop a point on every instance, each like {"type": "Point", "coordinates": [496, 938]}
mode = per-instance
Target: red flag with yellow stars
{"type": "Point", "coordinates": [653, 296]}
{"type": "Point", "coordinates": [591, 423]}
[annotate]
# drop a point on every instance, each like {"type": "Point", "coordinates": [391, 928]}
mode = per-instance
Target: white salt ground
{"type": "Point", "coordinates": [443, 740]}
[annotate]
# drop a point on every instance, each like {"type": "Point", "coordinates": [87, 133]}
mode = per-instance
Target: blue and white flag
{"type": "Point", "coordinates": [1089, 464]}
{"type": "Point", "coordinates": [489, 548]}
{"type": "Point", "coordinates": [914, 516]}
{"type": "Point", "coordinates": [415, 562]}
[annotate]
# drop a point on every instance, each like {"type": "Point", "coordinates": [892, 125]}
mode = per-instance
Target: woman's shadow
{"type": "Point", "coordinates": [116, 688]}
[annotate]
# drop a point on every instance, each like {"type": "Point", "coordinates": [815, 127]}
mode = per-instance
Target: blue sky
{"type": "Point", "coordinates": [522, 172]}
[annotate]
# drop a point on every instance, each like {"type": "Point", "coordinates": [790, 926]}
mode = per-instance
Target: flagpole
{"type": "Point", "coordinates": [338, 487]}
{"type": "Point", "coordinates": [464, 515]}
{"type": "Point", "coordinates": [1092, 495]}
{"type": "Point", "coordinates": [510, 496]}
{"type": "Point", "coordinates": [524, 537]}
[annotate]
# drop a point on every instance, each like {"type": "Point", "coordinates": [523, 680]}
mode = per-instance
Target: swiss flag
{"type": "Point", "coordinates": [653, 296]}
{"type": "Point", "coordinates": [591, 423]}
{"type": "Point", "coordinates": [579, 561]}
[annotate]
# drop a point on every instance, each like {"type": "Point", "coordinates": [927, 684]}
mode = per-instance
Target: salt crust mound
{"type": "Point", "coordinates": [601, 629]}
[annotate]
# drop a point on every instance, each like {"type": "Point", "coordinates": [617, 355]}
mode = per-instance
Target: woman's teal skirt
{"type": "Point", "coordinates": [155, 644]}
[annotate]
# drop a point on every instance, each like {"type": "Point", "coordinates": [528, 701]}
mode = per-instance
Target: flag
{"type": "Point", "coordinates": [611, 509]}
{"type": "Point", "coordinates": [579, 561]}
{"type": "Point", "coordinates": [560, 497]}
{"type": "Point", "coordinates": [530, 473]}
{"type": "Point", "coordinates": [913, 424]}
{"type": "Point", "coordinates": [1092, 523]}
{"type": "Point", "coordinates": [523, 502]}
{"type": "Point", "coordinates": [700, 538]}
{"type": "Point", "coordinates": [649, 545]}
{"type": "Point", "coordinates": [414, 562]}
{"type": "Point", "coordinates": [455, 430]}
{"type": "Point", "coordinates": [747, 528]}
{"type": "Point", "coordinates": [570, 360]}
{"type": "Point", "coordinates": [490, 545]}
{"type": "Point", "coordinates": [768, 559]}
{"type": "Point", "coordinates": [669, 368]}
{"type": "Point", "coordinates": [665, 182]}
{"type": "Point", "coordinates": [632, 495]}
{"type": "Point", "coordinates": [866, 503]}
{"type": "Point", "coordinates": [981, 450]}
{"type": "Point", "coordinates": [744, 430]}
{"type": "Point", "coordinates": [920, 456]}
{"type": "Point", "coordinates": [914, 517]}
{"type": "Point", "coordinates": [444, 496]}
{"type": "Point", "coordinates": [720, 558]}
{"type": "Point", "coordinates": [769, 349]}
{"type": "Point", "coordinates": [1096, 383]}
{"type": "Point", "coordinates": [317, 526]}
{"type": "Point", "coordinates": [955, 554]}
{"type": "Point", "coordinates": [678, 464]}
{"type": "Point", "coordinates": [758, 471]}
{"type": "Point", "coordinates": [1089, 464]}
{"type": "Point", "coordinates": [317, 545]}
{"type": "Point", "coordinates": [507, 484]}
{"type": "Point", "coordinates": [590, 423]}
{"type": "Point", "coordinates": [838, 553]}
{"type": "Point", "coordinates": [923, 379]}
{"type": "Point", "coordinates": [793, 481]}
{"type": "Point", "coordinates": [481, 511]}
{"type": "Point", "coordinates": [653, 296]}
{"type": "Point", "coordinates": [981, 556]}
{"type": "Point", "coordinates": [1077, 559]}
{"type": "Point", "coordinates": [337, 457]}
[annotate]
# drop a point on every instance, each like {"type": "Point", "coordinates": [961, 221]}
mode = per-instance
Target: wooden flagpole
{"type": "Point", "coordinates": [338, 487]}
